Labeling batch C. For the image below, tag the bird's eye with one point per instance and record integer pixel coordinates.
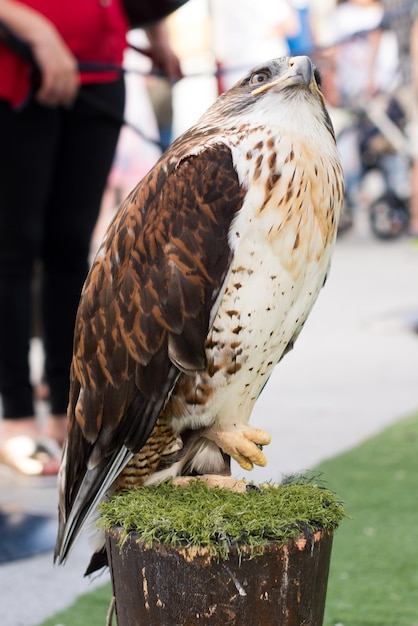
(259, 77)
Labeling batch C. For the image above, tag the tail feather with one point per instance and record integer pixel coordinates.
(95, 485)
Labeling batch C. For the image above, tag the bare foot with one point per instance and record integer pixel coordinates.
(10, 428)
(245, 446)
(25, 450)
(56, 428)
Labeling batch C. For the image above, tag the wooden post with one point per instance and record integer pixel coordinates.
(174, 586)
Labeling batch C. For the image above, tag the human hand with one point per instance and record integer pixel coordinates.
(59, 76)
(163, 56)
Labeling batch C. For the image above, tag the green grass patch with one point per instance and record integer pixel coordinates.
(89, 609)
(374, 566)
(218, 519)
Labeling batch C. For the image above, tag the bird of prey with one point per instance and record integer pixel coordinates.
(202, 283)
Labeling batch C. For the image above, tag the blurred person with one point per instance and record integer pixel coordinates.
(160, 92)
(246, 33)
(400, 17)
(354, 56)
(302, 41)
(56, 151)
(352, 59)
(137, 149)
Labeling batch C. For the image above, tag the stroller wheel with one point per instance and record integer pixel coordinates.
(389, 216)
(346, 218)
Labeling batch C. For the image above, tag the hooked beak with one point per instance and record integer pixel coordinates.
(300, 72)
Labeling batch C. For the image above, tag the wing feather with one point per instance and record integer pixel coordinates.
(143, 318)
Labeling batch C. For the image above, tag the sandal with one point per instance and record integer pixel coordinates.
(31, 457)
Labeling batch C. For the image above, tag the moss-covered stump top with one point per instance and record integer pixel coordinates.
(219, 519)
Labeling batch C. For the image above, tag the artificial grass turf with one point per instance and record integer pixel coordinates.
(89, 609)
(374, 565)
(218, 519)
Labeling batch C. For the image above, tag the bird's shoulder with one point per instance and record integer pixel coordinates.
(147, 300)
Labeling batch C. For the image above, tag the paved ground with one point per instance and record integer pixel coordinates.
(353, 371)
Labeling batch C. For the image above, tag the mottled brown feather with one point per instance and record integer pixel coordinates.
(154, 357)
(146, 303)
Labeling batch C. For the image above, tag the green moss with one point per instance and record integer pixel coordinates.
(215, 518)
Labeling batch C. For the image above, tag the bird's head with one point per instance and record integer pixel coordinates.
(281, 91)
(283, 73)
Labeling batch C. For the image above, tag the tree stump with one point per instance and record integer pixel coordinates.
(173, 586)
(186, 556)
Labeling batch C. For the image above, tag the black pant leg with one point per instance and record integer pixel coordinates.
(87, 149)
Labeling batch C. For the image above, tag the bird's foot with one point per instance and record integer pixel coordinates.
(214, 480)
(245, 446)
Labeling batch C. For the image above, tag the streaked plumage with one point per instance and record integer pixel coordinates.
(202, 283)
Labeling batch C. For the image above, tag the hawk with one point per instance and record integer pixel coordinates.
(202, 283)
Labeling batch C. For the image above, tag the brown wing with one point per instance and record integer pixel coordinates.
(143, 318)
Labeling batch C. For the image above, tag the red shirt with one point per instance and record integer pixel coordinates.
(94, 30)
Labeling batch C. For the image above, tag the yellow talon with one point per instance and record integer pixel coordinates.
(244, 446)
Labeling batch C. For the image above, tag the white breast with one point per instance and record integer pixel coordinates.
(282, 249)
